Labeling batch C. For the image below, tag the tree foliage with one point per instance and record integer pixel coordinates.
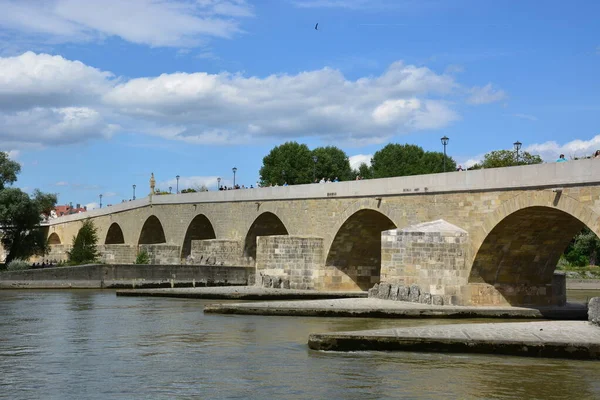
(332, 163)
(84, 244)
(20, 217)
(408, 159)
(364, 171)
(21, 214)
(583, 250)
(293, 163)
(507, 158)
(8, 170)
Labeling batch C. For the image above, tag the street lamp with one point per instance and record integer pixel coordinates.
(445, 141)
(170, 187)
(177, 177)
(100, 201)
(134, 192)
(218, 183)
(234, 169)
(315, 159)
(517, 145)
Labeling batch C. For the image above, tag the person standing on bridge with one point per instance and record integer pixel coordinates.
(561, 158)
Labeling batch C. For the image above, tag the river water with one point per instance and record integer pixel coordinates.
(84, 344)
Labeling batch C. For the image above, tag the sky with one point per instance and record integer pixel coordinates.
(95, 95)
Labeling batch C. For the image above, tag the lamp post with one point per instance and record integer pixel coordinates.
(315, 159)
(177, 177)
(134, 192)
(445, 141)
(234, 169)
(100, 201)
(170, 187)
(218, 183)
(517, 145)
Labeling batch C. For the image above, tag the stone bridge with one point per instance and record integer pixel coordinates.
(481, 237)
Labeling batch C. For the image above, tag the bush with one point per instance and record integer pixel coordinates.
(142, 258)
(18, 265)
(84, 245)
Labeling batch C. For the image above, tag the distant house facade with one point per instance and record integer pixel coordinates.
(67, 209)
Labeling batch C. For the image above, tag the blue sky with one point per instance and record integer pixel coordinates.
(97, 94)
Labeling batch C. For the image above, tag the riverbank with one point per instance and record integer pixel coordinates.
(377, 308)
(122, 276)
(583, 284)
(553, 339)
(239, 293)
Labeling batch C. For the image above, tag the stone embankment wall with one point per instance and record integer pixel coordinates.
(162, 254)
(218, 252)
(293, 259)
(117, 253)
(127, 276)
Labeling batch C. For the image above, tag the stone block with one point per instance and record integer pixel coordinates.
(414, 294)
(394, 292)
(384, 291)
(285, 284)
(404, 293)
(217, 252)
(425, 298)
(374, 291)
(594, 310)
(437, 300)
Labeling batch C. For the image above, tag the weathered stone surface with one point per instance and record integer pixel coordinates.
(425, 298)
(594, 310)
(384, 291)
(404, 293)
(374, 291)
(285, 284)
(394, 292)
(414, 294)
(437, 300)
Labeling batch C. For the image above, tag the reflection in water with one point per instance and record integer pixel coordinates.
(93, 345)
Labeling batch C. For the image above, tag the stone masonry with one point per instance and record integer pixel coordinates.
(162, 254)
(431, 255)
(296, 259)
(518, 219)
(224, 252)
(117, 253)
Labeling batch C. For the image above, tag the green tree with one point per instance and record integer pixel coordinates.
(507, 158)
(332, 163)
(290, 162)
(408, 159)
(20, 217)
(84, 244)
(8, 170)
(583, 249)
(364, 171)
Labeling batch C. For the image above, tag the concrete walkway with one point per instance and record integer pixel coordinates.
(240, 293)
(556, 339)
(377, 308)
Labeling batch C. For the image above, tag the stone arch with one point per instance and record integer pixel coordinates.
(364, 204)
(114, 235)
(152, 232)
(199, 228)
(523, 239)
(354, 257)
(266, 224)
(54, 239)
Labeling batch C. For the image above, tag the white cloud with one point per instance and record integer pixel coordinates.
(358, 159)
(109, 194)
(177, 23)
(48, 100)
(61, 183)
(575, 148)
(92, 206)
(486, 94)
(13, 154)
(525, 116)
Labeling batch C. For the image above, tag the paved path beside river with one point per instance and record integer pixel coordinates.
(370, 307)
(557, 339)
(239, 293)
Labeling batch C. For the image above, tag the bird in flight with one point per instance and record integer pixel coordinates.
(317, 26)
